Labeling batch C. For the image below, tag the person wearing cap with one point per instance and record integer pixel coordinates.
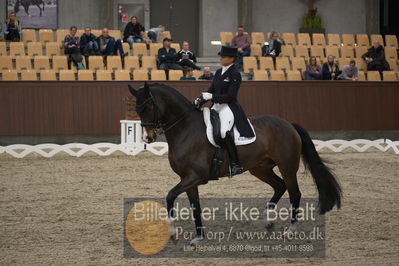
(223, 94)
(167, 57)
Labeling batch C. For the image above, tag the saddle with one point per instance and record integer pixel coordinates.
(212, 122)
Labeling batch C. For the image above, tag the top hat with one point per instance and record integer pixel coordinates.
(228, 51)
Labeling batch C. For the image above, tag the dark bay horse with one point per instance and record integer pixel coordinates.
(278, 143)
(27, 3)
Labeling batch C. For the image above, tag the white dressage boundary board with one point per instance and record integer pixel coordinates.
(161, 148)
(132, 144)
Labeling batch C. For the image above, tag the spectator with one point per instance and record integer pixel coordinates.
(207, 75)
(313, 70)
(330, 70)
(350, 72)
(108, 45)
(71, 45)
(243, 42)
(88, 43)
(12, 28)
(273, 48)
(188, 74)
(375, 58)
(186, 58)
(154, 33)
(133, 32)
(167, 57)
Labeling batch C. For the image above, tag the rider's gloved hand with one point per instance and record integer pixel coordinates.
(207, 96)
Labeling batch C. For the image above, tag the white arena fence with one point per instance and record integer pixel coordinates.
(132, 144)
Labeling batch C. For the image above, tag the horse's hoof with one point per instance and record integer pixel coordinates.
(269, 226)
(195, 241)
(290, 230)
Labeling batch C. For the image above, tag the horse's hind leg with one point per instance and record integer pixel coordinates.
(38, 5)
(266, 174)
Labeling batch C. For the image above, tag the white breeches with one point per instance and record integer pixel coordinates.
(226, 117)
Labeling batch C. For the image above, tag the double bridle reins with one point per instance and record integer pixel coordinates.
(157, 123)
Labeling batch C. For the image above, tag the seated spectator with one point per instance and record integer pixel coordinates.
(167, 57)
(188, 74)
(154, 33)
(375, 58)
(108, 46)
(243, 42)
(273, 48)
(330, 70)
(350, 72)
(207, 75)
(186, 58)
(313, 70)
(88, 43)
(133, 32)
(12, 28)
(71, 46)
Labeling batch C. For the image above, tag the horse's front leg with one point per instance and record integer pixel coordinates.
(186, 183)
(193, 197)
(38, 5)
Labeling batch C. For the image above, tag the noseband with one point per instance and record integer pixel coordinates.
(157, 123)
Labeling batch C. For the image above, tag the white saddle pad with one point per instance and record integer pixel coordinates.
(237, 139)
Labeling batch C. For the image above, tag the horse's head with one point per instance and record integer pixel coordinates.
(159, 107)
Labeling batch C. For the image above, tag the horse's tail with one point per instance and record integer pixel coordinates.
(327, 184)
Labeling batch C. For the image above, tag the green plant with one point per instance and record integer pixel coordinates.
(312, 22)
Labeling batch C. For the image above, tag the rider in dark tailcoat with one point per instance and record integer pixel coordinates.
(223, 93)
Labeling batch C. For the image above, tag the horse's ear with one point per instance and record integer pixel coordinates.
(132, 90)
(146, 87)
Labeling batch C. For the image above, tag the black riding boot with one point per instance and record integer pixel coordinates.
(231, 148)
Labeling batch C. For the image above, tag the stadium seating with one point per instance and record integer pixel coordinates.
(35, 48)
(256, 50)
(29, 75)
(176, 46)
(360, 50)
(46, 35)
(250, 63)
(287, 50)
(140, 74)
(61, 33)
(67, 75)
(196, 73)
(154, 47)
(85, 75)
(6, 62)
(9, 75)
(103, 75)
(258, 38)
(298, 63)
(149, 62)
(348, 39)
(332, 50)
(226, 38)
(302, 51)
(121, 74)
(53, 48)
(175, 74)
(266, 63)
(294, 75)
(282, 63)
(126, 48)
(277, 75)
(23, 62)
(28, 35)
(361, 76)
(373, 76)
(48, 75)
(260, 75)
(319, 39)
(393, 64)
(139, 49)
(317, 51)
(289, 38)
(164, 34)
(389, 76)
(304, 39)
(60, 62)
(41, 62)
(360, 63)
(158, 74)
(3, 49)
(362, 39)
(333, 39)
(132, 62)
(391, 53)
(114, 62)
(96, 62)
(391, 40)
(347, 52)
(17, 48)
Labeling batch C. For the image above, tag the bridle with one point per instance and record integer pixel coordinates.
(157, 123)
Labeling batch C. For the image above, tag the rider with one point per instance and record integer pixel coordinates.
(223, 94)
